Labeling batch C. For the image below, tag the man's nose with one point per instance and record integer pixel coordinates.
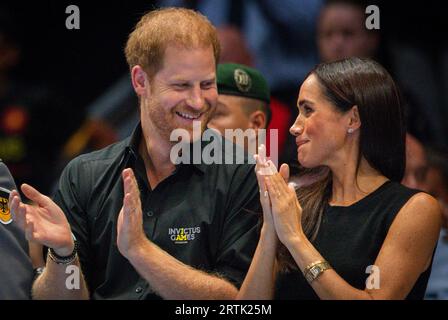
(196, 98)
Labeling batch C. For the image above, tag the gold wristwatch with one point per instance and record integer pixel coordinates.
(315, 269)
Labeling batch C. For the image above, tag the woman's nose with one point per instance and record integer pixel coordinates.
(297, 128)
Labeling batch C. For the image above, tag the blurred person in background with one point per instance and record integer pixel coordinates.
(416, 164)
(342, 33)
(436, 183)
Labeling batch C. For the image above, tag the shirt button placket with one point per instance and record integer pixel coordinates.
(149, 213)
(138, 290)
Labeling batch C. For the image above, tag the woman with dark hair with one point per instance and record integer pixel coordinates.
(356, 233)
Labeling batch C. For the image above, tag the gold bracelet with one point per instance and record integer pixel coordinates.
(315, 269)
(311, 265)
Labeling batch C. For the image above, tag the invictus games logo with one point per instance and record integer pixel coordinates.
(183, 235)
(5, 214)
(242, 80)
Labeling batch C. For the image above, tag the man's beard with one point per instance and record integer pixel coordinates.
(165, 122)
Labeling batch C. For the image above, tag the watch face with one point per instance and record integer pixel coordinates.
(315, 271)
(39, 270)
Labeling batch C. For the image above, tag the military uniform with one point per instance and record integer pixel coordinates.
(16, 270)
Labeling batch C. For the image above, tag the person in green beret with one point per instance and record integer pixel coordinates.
(243, 101)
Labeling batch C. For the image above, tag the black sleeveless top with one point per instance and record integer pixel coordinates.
(350, 239)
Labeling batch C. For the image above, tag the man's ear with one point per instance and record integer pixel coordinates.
(354, 121)
(139, 80)
(257, 120)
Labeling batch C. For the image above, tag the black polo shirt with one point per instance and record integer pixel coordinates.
(203, 215)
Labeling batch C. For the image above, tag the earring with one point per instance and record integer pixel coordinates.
(350, 130)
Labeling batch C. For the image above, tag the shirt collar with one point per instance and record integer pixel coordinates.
(132, 149)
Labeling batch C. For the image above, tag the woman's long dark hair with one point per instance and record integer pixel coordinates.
(366, 84)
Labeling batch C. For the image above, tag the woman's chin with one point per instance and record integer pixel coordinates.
(304, 163)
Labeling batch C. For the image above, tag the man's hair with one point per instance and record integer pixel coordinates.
(160, 28)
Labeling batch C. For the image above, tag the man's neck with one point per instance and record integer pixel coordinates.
(156, 157)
